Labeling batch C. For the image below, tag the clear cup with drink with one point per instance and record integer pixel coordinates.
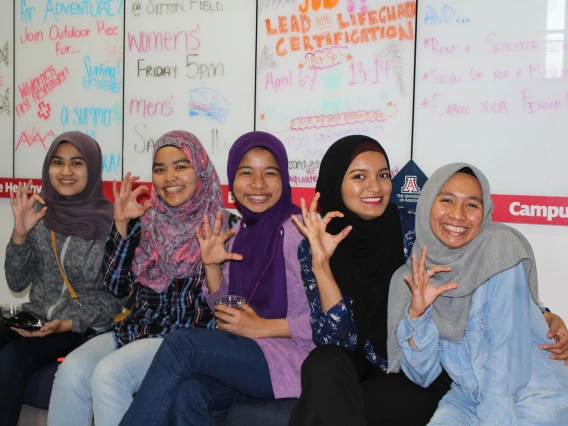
(237, 302)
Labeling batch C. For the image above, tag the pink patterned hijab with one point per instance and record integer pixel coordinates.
(168, 248)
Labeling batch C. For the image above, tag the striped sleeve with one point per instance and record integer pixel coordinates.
(119, 253)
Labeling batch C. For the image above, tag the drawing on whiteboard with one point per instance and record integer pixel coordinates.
(40, 86)
(165, 41)
(103, 77)
(342, 119)
(98, 9)
(362, 8)
(111, 163)
(202, 70)
(442, 15)
(393, 55)
(34, 137)
(262, 123)
(325, 58)
(147, 144)
(5, 102)
(332, 79)
(113, 51)
(158, 9)
(276, 4)
(117, 111)
(266, 61)
(344, 29)
(208, 102)
(44, 110)
(5, 54)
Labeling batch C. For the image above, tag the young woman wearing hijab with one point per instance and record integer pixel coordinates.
(71, 207)
(470, 305)
(151, 251)
(347, 262)
(257, 352)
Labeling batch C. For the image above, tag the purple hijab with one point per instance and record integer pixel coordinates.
(261, 275)
(87, 215)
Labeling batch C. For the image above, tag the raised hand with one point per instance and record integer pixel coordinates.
(212, 242)
(125, 205)
(423, 293)
(323, 244)
(25, 218)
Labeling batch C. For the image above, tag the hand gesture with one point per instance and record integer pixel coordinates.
(25, 218)
(212, 242)
(245, 322)
(559, 333)
(424, 293)
(125, 205)
(323, 244)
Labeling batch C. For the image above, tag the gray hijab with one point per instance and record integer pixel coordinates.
(495, 249)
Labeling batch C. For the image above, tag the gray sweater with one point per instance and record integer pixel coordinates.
(33, 263)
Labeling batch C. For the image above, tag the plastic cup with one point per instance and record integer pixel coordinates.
(233, 301)
(10, 309)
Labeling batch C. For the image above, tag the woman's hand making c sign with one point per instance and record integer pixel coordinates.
(424, 293)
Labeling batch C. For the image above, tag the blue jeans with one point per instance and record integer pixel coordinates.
(198, 371)
(97, 378)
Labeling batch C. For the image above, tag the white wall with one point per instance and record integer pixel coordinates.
(550, 244)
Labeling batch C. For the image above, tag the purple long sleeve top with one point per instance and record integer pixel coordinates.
(283, 355)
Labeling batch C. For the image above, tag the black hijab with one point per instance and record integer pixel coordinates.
(365, 261)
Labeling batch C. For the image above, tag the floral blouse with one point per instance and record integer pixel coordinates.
(337, 325)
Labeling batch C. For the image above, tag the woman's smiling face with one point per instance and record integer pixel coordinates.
(456, 215)
(68, 172)
(367, 186)
(258, 183)
(173, 176)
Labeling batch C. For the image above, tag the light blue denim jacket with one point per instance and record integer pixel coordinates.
(500, 375)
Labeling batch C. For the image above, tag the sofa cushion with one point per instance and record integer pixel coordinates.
(30, 416)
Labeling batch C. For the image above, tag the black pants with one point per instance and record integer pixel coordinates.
(340, 387)
(19, 358)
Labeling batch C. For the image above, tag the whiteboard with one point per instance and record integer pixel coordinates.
(68, 66)
(492, 90)
(6, 89)
(327, 69)
(188, 66)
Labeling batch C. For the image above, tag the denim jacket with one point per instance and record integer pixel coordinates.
(500, 375)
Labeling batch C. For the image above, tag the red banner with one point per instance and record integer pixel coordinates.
(531, 209)
(508, 208)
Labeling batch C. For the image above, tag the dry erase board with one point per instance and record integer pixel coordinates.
(68, 67)
(330, 68)
(189, 66)
(489, 84)
(6, 88)
(492, 90)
